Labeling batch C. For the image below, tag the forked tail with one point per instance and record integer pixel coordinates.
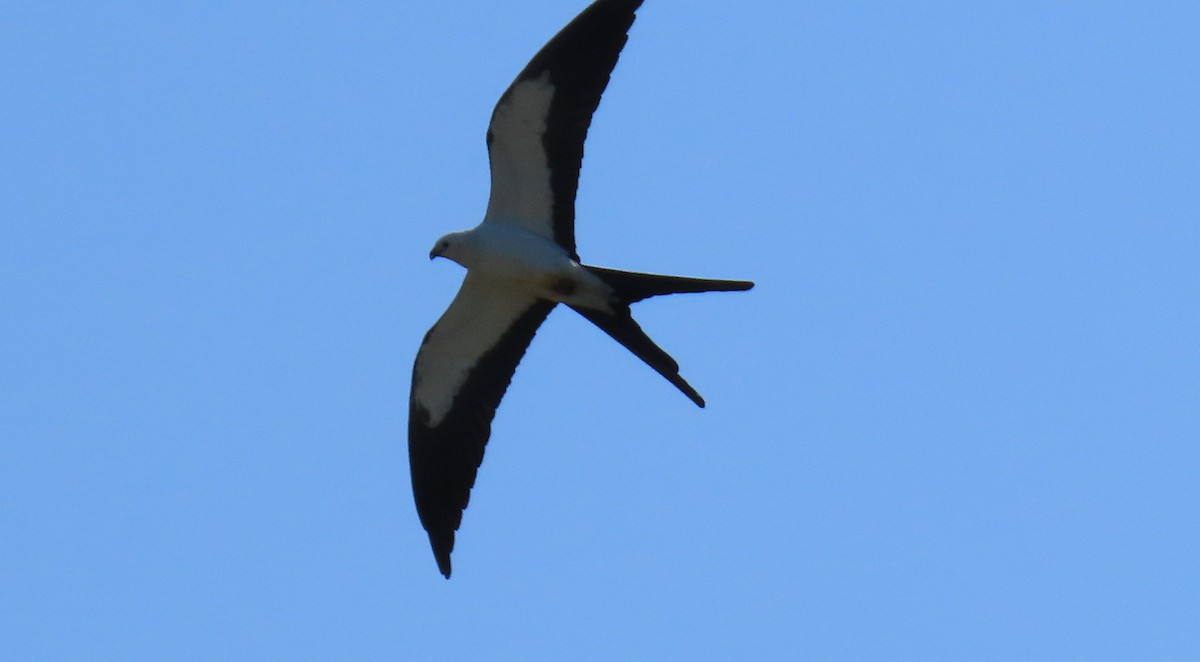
(631, 286)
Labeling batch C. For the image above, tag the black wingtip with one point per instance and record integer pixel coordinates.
(443, 544)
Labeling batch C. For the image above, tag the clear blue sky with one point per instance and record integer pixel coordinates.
(959, 417)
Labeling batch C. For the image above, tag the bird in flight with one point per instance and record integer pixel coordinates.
(521, 263)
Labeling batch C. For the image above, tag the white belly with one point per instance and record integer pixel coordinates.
(537, 265)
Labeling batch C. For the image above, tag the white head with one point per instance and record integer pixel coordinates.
(454, 246)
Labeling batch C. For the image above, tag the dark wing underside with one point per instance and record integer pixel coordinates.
(536, 136)
(462, 371)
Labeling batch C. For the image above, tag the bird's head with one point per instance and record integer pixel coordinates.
(451, 247)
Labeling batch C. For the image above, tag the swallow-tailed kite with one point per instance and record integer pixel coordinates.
(521, 262)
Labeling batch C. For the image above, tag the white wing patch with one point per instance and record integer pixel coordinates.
(521, 193)
(472, 325)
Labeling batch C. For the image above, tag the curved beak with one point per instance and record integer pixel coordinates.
(434, 253)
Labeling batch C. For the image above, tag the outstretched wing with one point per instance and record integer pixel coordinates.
(535, 139)
(462, 370)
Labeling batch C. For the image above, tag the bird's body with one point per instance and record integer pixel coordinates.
(510, 255)
(521, 263)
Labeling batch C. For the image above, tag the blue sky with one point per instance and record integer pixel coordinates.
(957, 418)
